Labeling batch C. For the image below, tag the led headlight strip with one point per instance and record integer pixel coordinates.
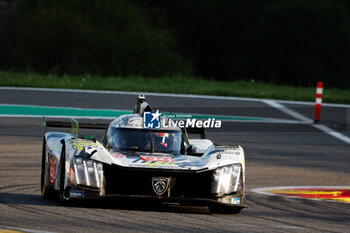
(225, 179)
(88, 172)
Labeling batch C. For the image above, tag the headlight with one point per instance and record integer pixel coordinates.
(225, 179)
(87, 172)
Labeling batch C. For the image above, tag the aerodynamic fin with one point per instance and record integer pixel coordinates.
(75, 127)
(200, 131)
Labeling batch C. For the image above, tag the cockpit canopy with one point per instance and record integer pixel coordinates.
(144, 140)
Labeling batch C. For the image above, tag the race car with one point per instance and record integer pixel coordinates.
(161, 163)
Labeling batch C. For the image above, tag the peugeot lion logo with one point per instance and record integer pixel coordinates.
(160, 185)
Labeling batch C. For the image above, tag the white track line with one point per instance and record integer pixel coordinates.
(22, 229)
(288, 111)
(298, 116)
(165, 95)
(332, 133)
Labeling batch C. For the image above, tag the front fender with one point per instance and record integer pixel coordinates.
(53, 152)
(218, 156)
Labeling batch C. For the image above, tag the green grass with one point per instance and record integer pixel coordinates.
(175, 85)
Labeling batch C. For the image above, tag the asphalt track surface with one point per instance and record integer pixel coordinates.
(276, 155)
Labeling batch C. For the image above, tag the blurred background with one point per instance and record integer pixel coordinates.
(292, 42)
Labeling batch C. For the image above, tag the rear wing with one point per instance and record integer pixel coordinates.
(200, 131)
(74, 125)
(187, 131)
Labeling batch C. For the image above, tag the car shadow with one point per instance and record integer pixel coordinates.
(110, 203)
(25, 199)
(140, 205)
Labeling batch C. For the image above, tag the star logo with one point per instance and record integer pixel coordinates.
(156, 115)
(151, 120)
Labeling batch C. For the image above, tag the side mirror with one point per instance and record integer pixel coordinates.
(109, 147)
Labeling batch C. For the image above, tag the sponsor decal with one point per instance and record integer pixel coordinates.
(236, 201)
(160, 185)
(81, 144)
(227, 152)
(151, 120)
(160, 162)
(158, 159)
(53, 170)
(158, 165)
(335, 193)
(232, 152)
(153, 161)
(75, 193)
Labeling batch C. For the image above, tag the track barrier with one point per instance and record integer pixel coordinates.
(319, 92)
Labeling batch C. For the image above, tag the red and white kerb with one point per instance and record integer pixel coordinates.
(319, 92)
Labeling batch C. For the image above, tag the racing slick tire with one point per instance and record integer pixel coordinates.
(46, 192)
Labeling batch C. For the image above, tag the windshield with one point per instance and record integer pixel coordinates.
(142, 140)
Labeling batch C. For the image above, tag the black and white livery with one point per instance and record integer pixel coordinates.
(161, 164)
